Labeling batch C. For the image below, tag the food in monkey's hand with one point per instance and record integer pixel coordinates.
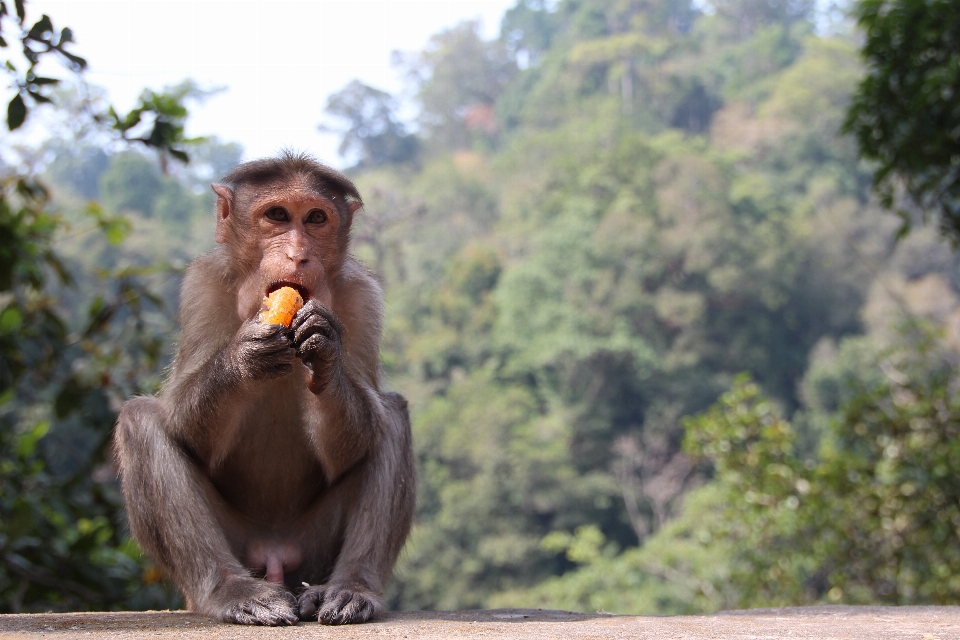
(280, 306)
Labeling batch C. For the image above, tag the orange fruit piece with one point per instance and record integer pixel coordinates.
(280, 306)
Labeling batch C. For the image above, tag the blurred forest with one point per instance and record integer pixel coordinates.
(664, 350)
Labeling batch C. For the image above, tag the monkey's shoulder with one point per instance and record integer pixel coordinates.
(358, 304)
(216, 265)
(210, 285)
(207, 314)
(358, 298)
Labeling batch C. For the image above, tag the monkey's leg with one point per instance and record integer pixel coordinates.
(173, 510)
(376, 502)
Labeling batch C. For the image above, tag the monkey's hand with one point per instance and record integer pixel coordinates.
(317, 339)
(260, 351)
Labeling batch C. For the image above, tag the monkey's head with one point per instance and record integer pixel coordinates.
(285, 222)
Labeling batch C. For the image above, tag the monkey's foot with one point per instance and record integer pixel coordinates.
(257, 602)
(338, 604)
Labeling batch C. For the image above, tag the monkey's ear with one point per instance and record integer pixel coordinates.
(224, 209)
(353, 205)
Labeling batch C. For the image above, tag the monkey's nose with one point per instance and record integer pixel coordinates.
(298, 256)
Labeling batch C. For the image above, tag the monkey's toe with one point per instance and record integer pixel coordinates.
(275, 609)
(334, 605)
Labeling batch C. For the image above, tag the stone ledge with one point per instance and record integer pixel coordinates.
(873, 623)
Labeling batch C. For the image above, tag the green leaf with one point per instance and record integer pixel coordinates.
(42, 26)
(11, 319)
(28, 441)
(21, 12)
(16, 113)
(115, 229)
(78, 62)
(39, 97)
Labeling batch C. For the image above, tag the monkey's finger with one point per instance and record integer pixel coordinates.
(305, 322)
(313, 311)
(310, 308)
(330, 612)
(311, 326)
(313, 338)
(310, 602)
(316, 325)
(280, 352)
(308, 608)
(346, 608)
(275, 347)
(271, 610)
(254, 326)
(268, 332)
(316, 343)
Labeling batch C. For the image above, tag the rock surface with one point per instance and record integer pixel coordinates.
(875, 623)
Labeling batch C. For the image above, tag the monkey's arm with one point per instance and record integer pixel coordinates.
(350, 414)
(341, 352)
(217, 358)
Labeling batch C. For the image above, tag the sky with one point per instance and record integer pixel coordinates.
(278, 60)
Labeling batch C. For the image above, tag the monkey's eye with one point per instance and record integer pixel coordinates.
(317, 217)
(277, 214)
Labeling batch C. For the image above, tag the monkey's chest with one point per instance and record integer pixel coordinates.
(270, 472)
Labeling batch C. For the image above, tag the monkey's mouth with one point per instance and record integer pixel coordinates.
(304, 293)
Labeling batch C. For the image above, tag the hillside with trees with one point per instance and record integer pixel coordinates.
(663, 348)
(614, 210)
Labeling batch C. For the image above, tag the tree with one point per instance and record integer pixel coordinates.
(905, 114)
(62, 542)
(749, 15)
(130, 182)
(372, 132)
(527, 29)
(874, 519)
(459, 78)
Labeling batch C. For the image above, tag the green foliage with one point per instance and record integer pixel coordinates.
(134, 183)
(681, 570)
(79, 169)
(76, 339)
(527, 29)
(664, 205)
(131, 183)
(904, 114)
(875, 518)
(762, 484)
(613, 210)
(459, 78)
(158, 121)
(62, 544)
(36, 42)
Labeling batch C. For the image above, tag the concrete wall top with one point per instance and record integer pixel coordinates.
(874, 623)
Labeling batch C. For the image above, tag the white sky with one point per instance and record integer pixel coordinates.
(279, 59)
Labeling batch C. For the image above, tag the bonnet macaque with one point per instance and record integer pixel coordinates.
(272, 479)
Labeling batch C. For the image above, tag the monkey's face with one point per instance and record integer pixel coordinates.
(297, 233)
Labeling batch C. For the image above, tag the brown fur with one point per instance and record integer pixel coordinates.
(274, 458)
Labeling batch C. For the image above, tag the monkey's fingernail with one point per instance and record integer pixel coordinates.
(306, 584)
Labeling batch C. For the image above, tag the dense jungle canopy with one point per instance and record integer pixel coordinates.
(663, 349)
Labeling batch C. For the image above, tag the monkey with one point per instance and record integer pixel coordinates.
(272, 477)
